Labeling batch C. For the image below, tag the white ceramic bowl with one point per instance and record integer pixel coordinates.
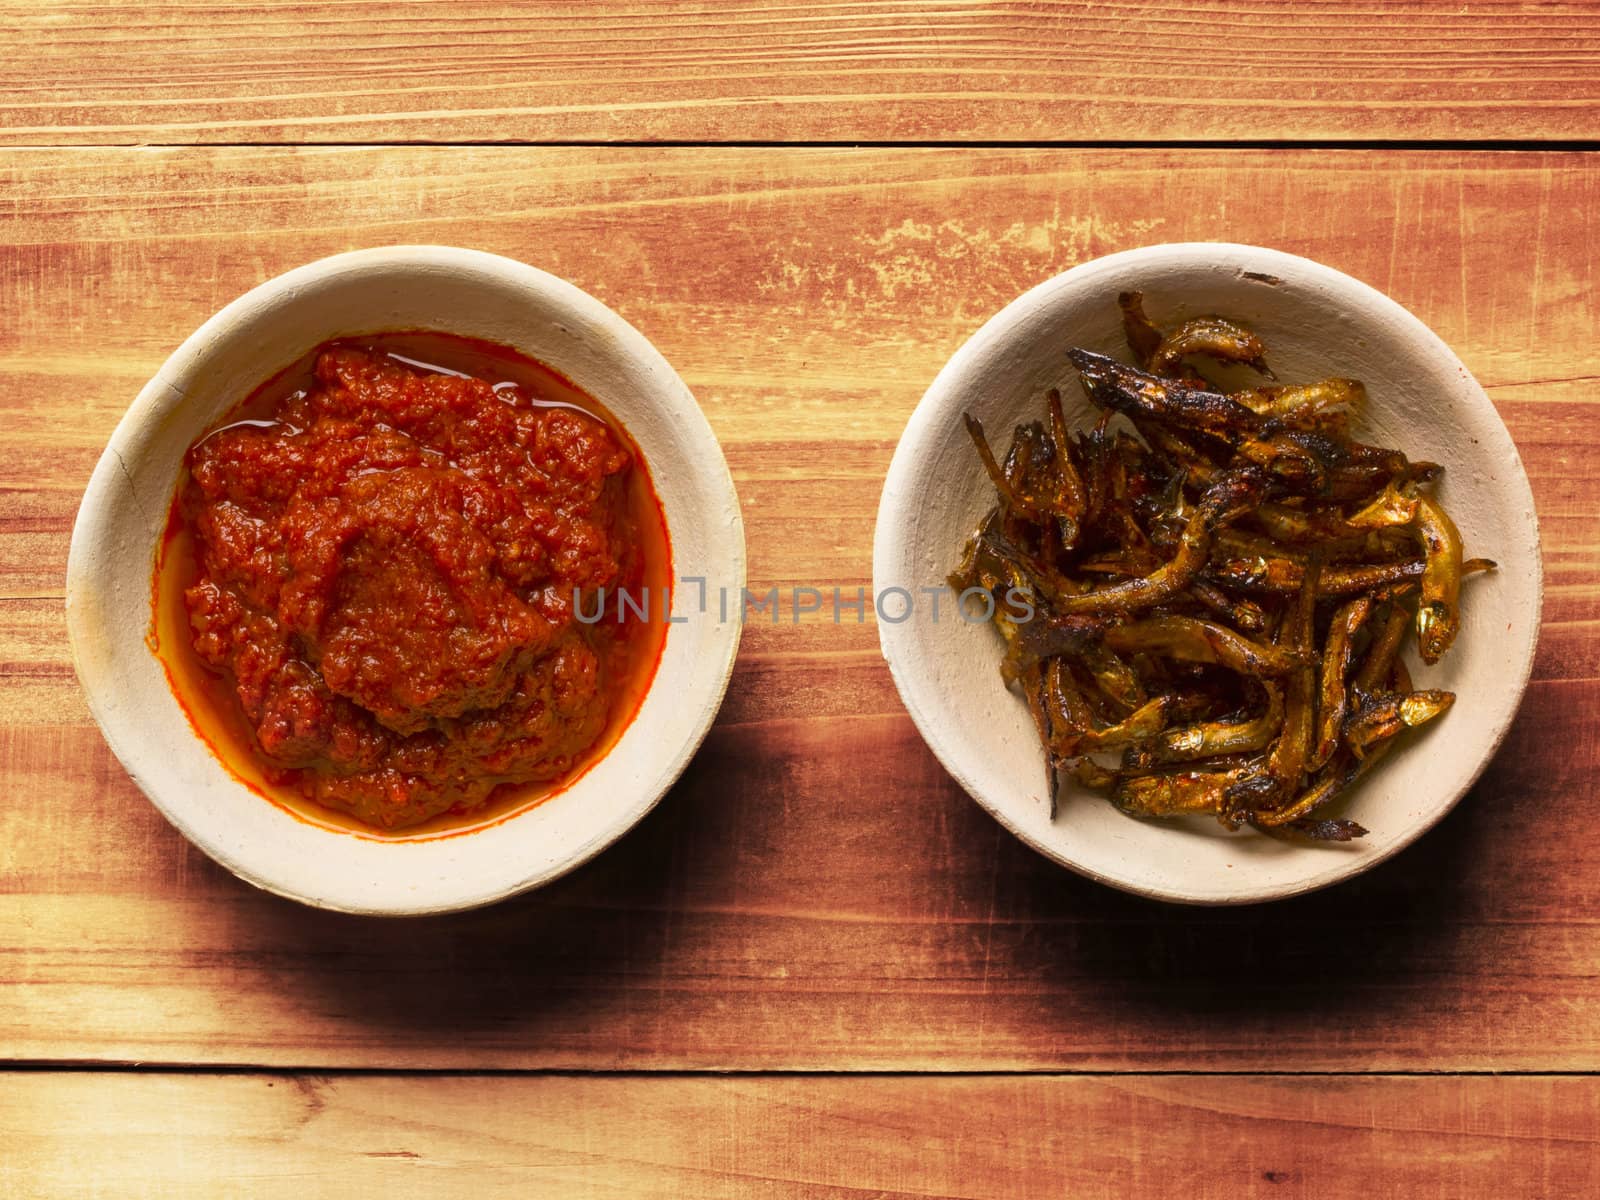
(1316, 322)
(121, 521)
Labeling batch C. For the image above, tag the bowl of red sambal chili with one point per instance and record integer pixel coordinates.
(387, 590)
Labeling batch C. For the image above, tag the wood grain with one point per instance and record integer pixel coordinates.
(816, 893)
(841, 70)
(673, 1138)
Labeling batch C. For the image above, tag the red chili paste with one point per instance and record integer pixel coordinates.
(381, 566)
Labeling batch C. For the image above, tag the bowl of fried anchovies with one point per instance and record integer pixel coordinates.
(1240, 566)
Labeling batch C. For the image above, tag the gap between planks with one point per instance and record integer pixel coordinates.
(107, 1066)
(1516, 145)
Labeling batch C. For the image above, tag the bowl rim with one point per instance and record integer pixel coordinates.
(122, 733)
(892, 637)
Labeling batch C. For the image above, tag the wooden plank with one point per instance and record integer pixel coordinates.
(816, 893)
(840, 70)
(665, 1138)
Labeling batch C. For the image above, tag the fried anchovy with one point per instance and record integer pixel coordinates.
(1397, 505)
(1305, 405)
(1246, 614)
(1210, 739)
(1439, 614)
(1325, 787)
(1033, 690)
(1124, 389)
(1178, 794)
(1266, 786)
(1228, 495)
(1381, 652)
(1144, 339)
(1262, 574)
(1214, 337)
(1381, 717)
(1333, 699)
(1195, 640)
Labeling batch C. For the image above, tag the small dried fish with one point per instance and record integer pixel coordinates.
(1222, 593)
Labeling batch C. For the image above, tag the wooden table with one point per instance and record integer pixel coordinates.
(817, 969)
